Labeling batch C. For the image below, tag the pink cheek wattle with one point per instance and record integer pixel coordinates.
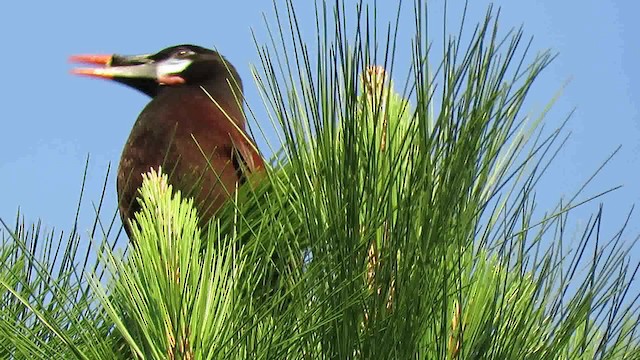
(170, 80)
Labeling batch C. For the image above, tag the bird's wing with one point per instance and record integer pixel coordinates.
(246, 150)
(249, 160)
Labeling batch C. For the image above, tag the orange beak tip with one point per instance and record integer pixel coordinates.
(81, 71)
(90, 72)
(98, 59)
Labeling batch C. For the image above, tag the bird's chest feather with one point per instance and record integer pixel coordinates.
(189, 136)
(180, 129)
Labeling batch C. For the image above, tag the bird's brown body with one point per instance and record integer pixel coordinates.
(193, 128)
(194, 141)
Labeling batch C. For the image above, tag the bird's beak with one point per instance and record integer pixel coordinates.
(131, 67)
(115, 66)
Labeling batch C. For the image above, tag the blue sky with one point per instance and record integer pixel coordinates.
(52, 119)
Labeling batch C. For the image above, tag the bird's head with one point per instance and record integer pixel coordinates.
(174, 66)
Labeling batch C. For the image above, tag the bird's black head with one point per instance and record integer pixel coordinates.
(181, 65)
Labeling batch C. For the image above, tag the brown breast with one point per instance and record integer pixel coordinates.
(196, 144)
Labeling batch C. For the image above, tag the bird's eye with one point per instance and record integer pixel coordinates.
(184, 53)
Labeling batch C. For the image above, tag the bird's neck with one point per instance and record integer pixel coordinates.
(226, 89)
(229, 97)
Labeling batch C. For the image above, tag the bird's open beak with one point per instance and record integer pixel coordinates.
(136, 66)
(115, 66)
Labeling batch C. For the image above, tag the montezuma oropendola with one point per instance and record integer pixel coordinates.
(193, 126)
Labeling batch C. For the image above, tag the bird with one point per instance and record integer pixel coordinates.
(193, 128)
